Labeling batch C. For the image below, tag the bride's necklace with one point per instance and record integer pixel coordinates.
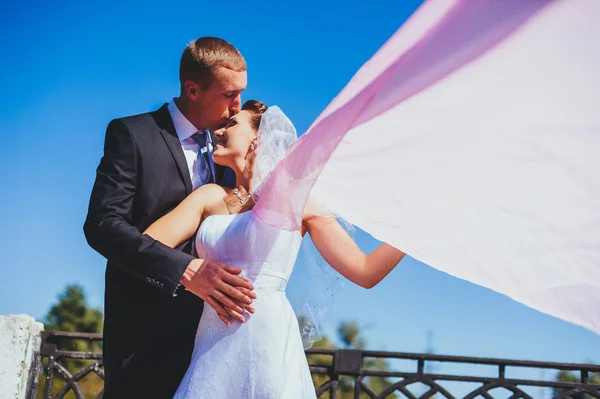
(242, 198)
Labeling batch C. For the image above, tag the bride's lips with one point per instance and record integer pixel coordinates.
(220, 143)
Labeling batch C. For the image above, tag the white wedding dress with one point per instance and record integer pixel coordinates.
(263, 357)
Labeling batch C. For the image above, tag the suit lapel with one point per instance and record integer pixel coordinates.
(170, 136)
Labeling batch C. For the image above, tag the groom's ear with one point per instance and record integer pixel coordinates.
(191, 89)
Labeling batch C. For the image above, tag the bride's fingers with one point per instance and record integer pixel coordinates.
(249, 293)
(221, 312)
(235, 314)
(231, 312)
(226, 302)
(224, 319)
(245, 306)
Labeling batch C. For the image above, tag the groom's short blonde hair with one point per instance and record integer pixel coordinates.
(203, 56)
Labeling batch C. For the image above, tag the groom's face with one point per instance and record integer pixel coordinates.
(222, 99)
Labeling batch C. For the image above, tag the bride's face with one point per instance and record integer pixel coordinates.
(234, 140)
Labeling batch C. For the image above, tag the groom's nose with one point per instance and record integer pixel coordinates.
(236, 104)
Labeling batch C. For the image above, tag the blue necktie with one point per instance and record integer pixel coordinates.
(203, 172)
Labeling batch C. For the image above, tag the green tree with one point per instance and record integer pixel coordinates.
(71, 313)
(568, 376)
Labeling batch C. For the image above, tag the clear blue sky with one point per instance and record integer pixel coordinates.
(68, 69)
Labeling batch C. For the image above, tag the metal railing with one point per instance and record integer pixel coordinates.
(343, 373)
(496, 383)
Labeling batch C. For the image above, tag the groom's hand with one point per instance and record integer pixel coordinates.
(221, 287)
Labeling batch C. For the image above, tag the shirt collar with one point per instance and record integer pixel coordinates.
(184, 128)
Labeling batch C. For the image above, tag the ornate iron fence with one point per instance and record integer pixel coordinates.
(416, 382)
(342, 373)
(52, 363)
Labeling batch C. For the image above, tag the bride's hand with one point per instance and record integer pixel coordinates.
(232, 313)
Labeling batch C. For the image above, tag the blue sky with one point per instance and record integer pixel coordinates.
(68, 69)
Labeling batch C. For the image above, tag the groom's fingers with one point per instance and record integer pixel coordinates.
(232, 276)
(231, 269)
(234, 293)
(246, 292)
(236, 281)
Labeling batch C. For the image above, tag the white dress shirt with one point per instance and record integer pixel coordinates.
(185, 129)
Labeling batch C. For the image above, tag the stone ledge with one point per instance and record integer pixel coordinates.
(19, 340)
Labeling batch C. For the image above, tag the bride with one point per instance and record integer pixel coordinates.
(258, 354)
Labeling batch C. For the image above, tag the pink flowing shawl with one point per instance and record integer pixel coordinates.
(470, 141)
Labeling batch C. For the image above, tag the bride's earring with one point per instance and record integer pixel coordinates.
(252, 147)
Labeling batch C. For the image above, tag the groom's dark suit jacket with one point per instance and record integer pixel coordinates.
(150, 323)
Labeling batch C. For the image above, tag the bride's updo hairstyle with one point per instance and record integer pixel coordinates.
(257, 109)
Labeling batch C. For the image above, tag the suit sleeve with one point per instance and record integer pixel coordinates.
(108, 228)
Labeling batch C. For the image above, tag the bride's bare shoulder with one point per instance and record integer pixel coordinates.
(206, 196)
(208, 193)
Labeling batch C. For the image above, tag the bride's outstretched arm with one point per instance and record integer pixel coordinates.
(342, 253)
(181, 223)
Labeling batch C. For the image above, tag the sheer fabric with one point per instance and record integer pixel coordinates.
(471, 142)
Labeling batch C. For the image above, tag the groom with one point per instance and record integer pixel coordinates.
(154, 294)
